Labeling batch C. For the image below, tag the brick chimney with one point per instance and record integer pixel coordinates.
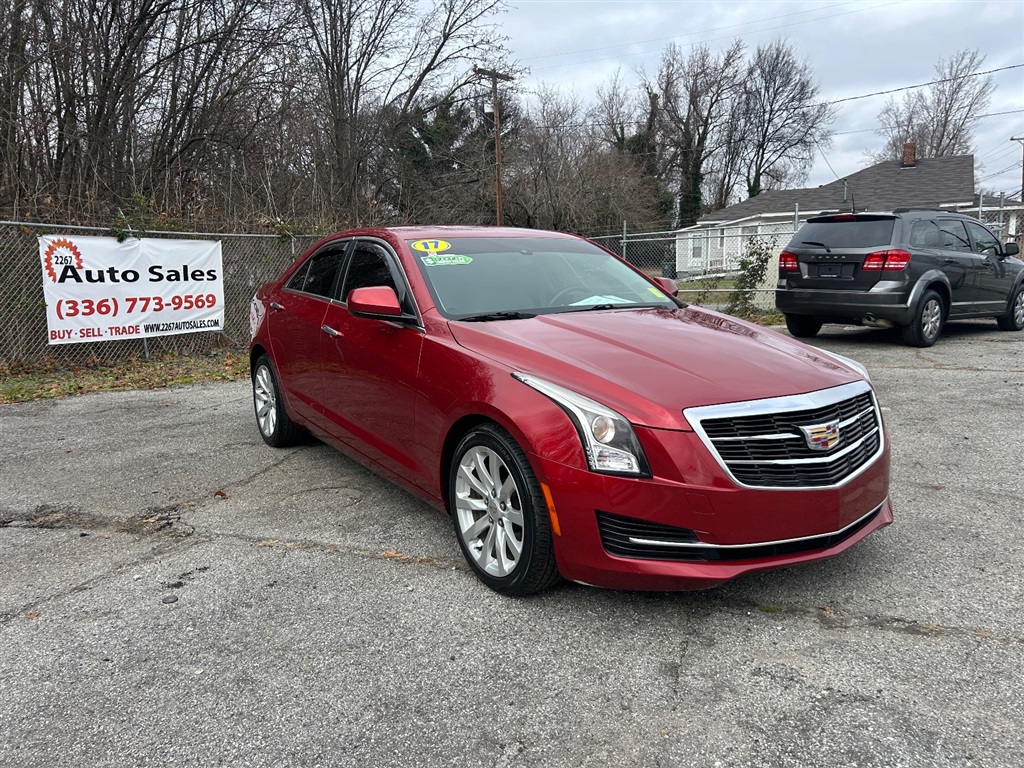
(909, 154)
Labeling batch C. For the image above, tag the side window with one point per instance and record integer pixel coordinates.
(954, 236)
(925, 234)
(323, 266)
(297, 280)
(985, 242)
(368, 267)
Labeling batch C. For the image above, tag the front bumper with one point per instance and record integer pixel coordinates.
(743, 530)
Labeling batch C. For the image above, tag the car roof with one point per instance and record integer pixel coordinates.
(894, 213)
(413, 232)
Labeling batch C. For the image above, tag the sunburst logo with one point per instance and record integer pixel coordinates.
(61, 253)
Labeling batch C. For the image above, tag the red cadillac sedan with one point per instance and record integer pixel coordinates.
(573, 417)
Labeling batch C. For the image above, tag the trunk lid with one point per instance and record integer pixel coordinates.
(830, 251)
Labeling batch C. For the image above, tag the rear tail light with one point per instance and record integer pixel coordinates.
(890, 261)
(788, 262)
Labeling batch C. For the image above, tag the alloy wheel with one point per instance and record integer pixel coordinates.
(1018, 309)
(931, 319)
(265, 399)
(489, 511)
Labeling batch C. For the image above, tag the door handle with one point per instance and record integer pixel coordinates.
(275, 306)
(330, 331)
(949, 261)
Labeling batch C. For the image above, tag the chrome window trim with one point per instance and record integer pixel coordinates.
(785, 404)
(397, 261)
(705, 545)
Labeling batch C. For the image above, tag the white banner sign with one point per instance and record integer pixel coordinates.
(98, 289)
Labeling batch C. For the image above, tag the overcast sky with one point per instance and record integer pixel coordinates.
(853, 47)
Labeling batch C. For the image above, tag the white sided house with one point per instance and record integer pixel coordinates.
(717, 242)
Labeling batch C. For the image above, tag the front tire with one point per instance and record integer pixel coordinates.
(499, 513)
(1013, 320)
(803, 326)
(927, 324)
(276, 427)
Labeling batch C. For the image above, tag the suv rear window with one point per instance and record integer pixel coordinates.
(859, 233)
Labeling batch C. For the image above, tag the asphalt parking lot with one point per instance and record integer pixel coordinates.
(173, 592)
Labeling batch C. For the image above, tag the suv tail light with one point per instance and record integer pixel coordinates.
(891, 261)
(788, 262)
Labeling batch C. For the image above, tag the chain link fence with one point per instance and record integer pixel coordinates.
(249, 261)
(707, 262)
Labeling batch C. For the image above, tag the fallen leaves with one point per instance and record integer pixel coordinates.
(20, 382)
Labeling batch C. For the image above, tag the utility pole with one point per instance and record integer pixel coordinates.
(1021, 140)
(495, 77)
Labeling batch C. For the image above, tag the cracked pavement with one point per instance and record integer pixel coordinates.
(173, 592)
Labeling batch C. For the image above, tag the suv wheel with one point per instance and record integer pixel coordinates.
(927, 324)
(802, 326)
(1013, 320)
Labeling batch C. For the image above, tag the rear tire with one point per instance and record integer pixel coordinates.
(803, 326)
(927, 324)
(1013, 320)
(276, 427)
(499, 513)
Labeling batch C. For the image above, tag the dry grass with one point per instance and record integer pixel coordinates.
(19, 383)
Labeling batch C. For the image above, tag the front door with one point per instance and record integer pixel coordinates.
(994, 280)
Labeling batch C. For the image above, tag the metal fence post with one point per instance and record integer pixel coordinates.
(624, 240)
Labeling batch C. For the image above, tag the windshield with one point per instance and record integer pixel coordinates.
(479, 278)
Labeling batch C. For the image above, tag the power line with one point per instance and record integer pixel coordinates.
(919, 85)
(601, 124)
(1006, 151)
(1007, 169)
(822, 153)
(987, 114)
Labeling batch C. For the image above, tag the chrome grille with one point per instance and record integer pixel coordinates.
(760, 444)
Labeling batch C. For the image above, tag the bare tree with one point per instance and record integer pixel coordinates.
(563, 175)
(695, 93)
(941, 118)
(782, 121)
(390, 59)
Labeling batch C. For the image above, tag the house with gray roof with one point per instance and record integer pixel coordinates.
(718, 240)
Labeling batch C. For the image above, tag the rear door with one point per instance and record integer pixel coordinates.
(831, 251)
(936, 245)
(296, 314)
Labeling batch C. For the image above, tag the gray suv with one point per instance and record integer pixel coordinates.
(913, 268)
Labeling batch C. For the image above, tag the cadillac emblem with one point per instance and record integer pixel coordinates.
(821, 437)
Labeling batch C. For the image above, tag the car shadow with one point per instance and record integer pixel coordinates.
(954, 329)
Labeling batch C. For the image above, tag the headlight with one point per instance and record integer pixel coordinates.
(608, 438)
(859, 367)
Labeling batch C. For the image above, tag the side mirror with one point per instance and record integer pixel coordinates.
(378, 302)
(1010, 249)
(668, 285)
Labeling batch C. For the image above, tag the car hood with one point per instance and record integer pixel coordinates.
(650, 364)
